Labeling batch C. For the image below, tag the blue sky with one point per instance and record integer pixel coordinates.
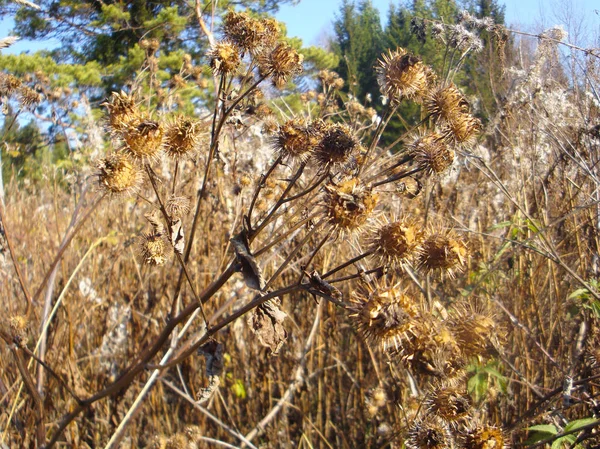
(312, 20)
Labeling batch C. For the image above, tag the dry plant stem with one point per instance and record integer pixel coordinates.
(397, 177)
(11, 251)
(387, 116)
(285, 235)
(296, 382)
(308, 189)
(555, 437)
(348, 263)
(212, 417)
(202, 23)
(314, 253)
(360, 274)
(259, 187)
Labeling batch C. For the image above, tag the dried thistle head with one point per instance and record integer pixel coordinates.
(444, 251)
(462, 129)
(485, 437)
(224, 58)
(398, 242)
(431, 153)
(29, 97)
(177, 206)
(475, 329)
(153, 248)
(182, 137)
(249, 34)
(296, 140)
(119, 174)
(122, 110)
(384, 316)
(449, 403)
(445, 102)
(349, 204)
(280, 64)
(17, 325)
(144, 138)
(409, 187)
(337, 145)
(375, 400)
(429, 433)
(401, 75)
(330, 79)
(8, 84)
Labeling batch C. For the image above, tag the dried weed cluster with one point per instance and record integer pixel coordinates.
(242, 236)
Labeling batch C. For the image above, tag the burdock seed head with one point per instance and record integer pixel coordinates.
(401, 75)
(443, 250)
(152, 248)
(144, 139)
(445, 102)
(337, 145)
(398, 242)
(432, 154)
(8, 84)
(449, 403)
(280, 64)
(349, 204)
(462, 129)
(182, 137)
(475, 329)
(484, 437)
(119, 174)
(18, 329)
(296, 140)
(224, 58)
(122, 110)
(177, 206)
(429, 433)
(384, 316)
(249, 34)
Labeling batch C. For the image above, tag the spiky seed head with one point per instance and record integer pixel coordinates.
(485, 437)
(144, 139)
(29, 97)
(152, 248)
(462, 129)
(224, 58)
(8, 84)
(18, 329)
(249, 34)
(177, 206)
(375, 400)
(401, 75)
(445, 102)
(449, 403)
(119, 174)
(429, 433)
(182, 137)
(296, 140)
(384, 316)
(349, 204)
(177, 441)
(337, 145)
(443, 251)
(281, 64)
(475, 329)
(409, 187)
(398, 242)
(432, 153)
(122, 110)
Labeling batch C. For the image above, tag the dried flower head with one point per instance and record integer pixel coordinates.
(444, 251)
(429, 433)
(177, 206)
(152, 248)
(337, 145)
(119, 174)
(281, 64)
(18, 329)
(8, 84)
(122, 110)
(431, 153)
(462, 129)
(401, 75)
(349, 204)
(409, 187)
(144, 138)
(29, 97)
(384, 316)
(475, 329)
(296, 140)
(224, 58)
(249, 34)
(445, 102)
(375, 400)
(182, 136)
(449, 403)
(398, 242)
(485, 437)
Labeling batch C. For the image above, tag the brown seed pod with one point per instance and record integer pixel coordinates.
(445, 102)
(401, 75)
(429, 433)
(119, 174)
(280, 64)
(349, 204)
(29, 97)
(398, 242)
(144, 139)
(485, 437)
(8, 84)
(296, 140)
(122, 110)
(432, 154)
(177, 206)
(252, 35)
(337, 145)
(18, 329)
(224, 58)
(462, 129)
(443, 251)
(475, 329)
(449, 403)
(152, 248)
(182, 137)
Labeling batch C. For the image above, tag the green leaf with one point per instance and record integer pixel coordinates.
(238, 389)
(579, 423)
(579, 293)
(503, 224)
(549, 429)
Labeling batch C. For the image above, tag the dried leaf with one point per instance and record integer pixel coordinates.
(8, 41)
(177, 239)
(266, 322)
(250, 269)
(213, 353)
(154, 219)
